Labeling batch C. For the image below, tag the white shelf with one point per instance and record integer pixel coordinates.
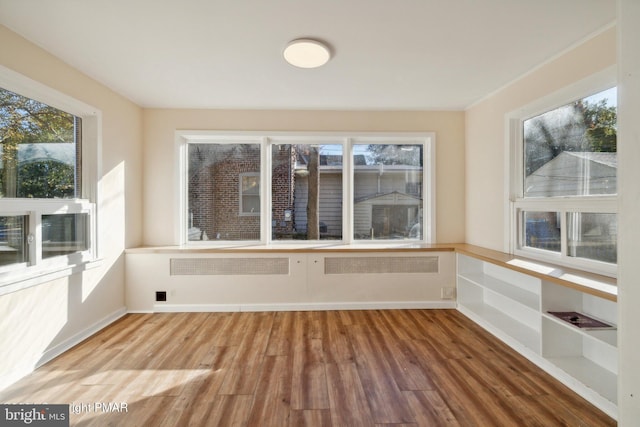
(522, 296)
(514, 307)
(607, 336)
(520, 332)
(592, 375)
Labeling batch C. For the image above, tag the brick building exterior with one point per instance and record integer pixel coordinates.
(215, 190)
(283, 186)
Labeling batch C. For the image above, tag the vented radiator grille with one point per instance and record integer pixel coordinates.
(228, 266)
(377, 265)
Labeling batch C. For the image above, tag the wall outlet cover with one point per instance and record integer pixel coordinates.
(448, 293)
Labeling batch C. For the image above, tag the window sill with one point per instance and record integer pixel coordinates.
(18, 280)
(295, 247)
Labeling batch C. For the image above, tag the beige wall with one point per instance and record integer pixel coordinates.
(486, 175)
(160, 159)
(41, 320)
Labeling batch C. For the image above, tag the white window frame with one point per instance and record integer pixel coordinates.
(517, 203)
(266, 141)
(15, 277)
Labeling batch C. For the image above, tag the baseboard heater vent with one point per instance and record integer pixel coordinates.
(377, 265)
(228, 266)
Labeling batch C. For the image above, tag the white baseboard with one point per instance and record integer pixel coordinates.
(183, 308)
(50, 354)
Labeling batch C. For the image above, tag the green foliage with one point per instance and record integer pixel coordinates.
(46, 179)
(26, 121)
(392, 154)
(601, 125)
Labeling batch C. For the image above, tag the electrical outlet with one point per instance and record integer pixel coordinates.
(161, 296)
(448, 293)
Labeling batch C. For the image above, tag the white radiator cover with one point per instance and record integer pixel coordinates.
(228, 266)
(380, 265)
(288, 281)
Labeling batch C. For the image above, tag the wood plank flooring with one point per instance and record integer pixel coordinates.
(326, 368)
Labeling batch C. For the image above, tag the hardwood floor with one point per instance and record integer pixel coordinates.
(326, 368)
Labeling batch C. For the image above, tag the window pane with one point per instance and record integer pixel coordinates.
(250, 194)
(387, 191)
(542, 230)
(593, 236)
(571, 151)
(40, 149)
(13, 239)
(214, 191)
(64, 234)
(307, 191)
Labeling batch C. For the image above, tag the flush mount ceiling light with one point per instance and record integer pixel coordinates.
(306, 53)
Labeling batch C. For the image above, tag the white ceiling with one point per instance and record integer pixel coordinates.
(388, 54)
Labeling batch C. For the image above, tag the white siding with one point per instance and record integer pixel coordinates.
(330, 202)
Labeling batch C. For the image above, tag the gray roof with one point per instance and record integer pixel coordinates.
(574, 174)
(377, 196)
(607, 159)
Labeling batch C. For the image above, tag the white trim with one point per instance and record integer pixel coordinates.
(347, 190)
(25, 369)
(265, 191)
(429, 199)
(22, 85)
(266, 139)
(180, 191)
(316, 306)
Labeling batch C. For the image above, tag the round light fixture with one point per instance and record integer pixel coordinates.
(306, 53)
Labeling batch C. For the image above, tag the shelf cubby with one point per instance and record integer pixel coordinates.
(515, 307)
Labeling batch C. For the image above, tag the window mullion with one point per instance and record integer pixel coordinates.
(347, 194)
(564, 233)
(266, 212)
(35, 237)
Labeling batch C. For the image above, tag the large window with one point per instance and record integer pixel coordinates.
(566, 184)
(47, 219)
(305, 187)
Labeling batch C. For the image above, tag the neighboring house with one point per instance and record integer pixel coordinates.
(559, 176)
(224, 192)
(394, 214)
(388, 197)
